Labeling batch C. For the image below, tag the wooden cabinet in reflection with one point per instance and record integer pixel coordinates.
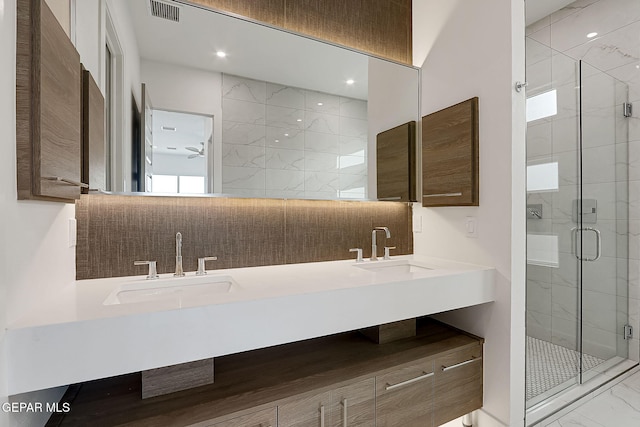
(396, 163)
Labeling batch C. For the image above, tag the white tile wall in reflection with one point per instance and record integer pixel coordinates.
(281, 141)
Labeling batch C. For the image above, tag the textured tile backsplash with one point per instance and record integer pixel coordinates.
(115, 231)
(281, 141)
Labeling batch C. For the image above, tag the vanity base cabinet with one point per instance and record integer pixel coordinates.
(404, 396)
(354, 405)
(341, 380)
(311, 411)
(264, 418)
(458, 384)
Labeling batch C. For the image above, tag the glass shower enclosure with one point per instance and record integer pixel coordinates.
(577, 223)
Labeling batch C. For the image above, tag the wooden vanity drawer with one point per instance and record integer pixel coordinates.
(458, 384)
(403, 397)
(265, 418)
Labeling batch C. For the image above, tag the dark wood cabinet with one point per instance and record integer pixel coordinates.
(450, 156)
(48, 107)
(457, 384)
(264, 418)
(404, 396)
(396, 163)
(334, 381)
(354, 405)
(93, 136)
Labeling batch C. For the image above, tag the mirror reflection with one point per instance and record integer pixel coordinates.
(202, 102)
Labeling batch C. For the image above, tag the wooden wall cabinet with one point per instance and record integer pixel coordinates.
(450, 156)
(396, 163)
(93, 135)
(48, 110)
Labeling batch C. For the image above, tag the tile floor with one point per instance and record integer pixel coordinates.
(615, 406)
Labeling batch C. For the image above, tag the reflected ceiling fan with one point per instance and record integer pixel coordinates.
(199, 152)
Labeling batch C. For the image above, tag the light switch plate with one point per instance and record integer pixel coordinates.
(73, 232)
(471, 226)
(417, 223)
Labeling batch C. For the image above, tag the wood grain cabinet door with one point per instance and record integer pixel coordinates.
(354, 405)
(458, 384)
(396, 163)
(93, 136)
(450, 161)
(48, 110)
(264, 418)
(311, 411)
(404, 396)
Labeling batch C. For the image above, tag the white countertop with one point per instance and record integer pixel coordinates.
(76, 338)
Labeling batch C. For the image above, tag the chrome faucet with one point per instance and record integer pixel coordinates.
(374, 246)
(179, 272)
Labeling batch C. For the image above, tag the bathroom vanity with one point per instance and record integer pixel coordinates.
(338, 380)
(81, 335)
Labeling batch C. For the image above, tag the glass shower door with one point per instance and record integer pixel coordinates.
(601, 221)
(577, 232)
(553, 184)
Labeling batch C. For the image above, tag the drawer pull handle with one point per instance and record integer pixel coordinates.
(344, 413)
(322, 416)
(390, 198)
(412, 380)
(457, 365)
(65, 181)
(443, 195)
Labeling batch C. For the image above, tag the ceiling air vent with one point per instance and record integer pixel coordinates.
(164, 10)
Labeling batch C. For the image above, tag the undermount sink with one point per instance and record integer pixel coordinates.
(173, 289)
(401, 266)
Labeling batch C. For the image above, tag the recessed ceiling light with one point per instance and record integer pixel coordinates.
(320, 104)
(637, 66)
(286, 134)
(299, 120)
(277, 140)
(221, 54)
(591, 35)
(350, 81)
(169, 128)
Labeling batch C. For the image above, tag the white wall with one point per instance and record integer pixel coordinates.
(389, 85)
(469, 57)
(36, 260)
(188, 90)
(129, 62)
(90, 37)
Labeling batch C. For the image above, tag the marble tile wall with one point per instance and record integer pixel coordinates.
(281, 141)
(610, 172)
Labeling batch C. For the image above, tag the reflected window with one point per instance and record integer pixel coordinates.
(191, 184)
(164, 184)
(542, 177)
(543, 105)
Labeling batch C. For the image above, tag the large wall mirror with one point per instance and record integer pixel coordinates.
(204, 102)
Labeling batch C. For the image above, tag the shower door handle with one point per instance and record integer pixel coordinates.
(574, 238)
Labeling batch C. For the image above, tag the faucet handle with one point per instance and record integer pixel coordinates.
(359, 256)
(201, 271)
(386, 251)
(153, 271)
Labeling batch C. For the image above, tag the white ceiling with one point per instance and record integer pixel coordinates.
(254, 51)
(538, 9)
(191, 131)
